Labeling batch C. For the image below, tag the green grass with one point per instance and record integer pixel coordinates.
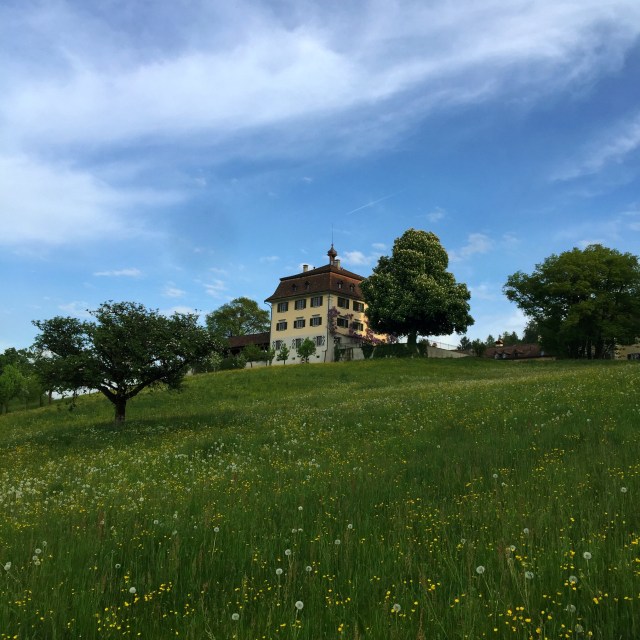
(390, 482)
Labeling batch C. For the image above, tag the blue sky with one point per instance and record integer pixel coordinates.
(184, 153)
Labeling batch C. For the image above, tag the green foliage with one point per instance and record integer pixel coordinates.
(583, 301)
(465, 344)
(395, 350)
(283, 353)
(306, 349)
(12, 383)
(411, 292)
(233, 362)
(510, 338)
(479, 347)
(240, 317)
(367, 350)
(128, 349)
(253, 353)
(422, 469)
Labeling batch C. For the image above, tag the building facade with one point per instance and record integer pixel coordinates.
(325, 305)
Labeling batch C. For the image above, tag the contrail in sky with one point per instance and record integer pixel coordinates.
(370, 204)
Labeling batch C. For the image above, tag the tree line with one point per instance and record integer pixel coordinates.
(580, 304)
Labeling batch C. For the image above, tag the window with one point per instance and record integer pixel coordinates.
(283, 306)
(340, 284)
(352, 287)
(358, 306)
(343, 303)
(301, 304)
(277, 344)
(357, 326)
(316, 301)
(316, 321)
(296, 342)
(281, 326)
(298, 323)
(319, 341)
(342, 322)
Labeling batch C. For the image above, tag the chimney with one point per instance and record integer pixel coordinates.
(305, 268)
(337, 263)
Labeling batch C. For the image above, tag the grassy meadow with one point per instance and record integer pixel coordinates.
(392, 499)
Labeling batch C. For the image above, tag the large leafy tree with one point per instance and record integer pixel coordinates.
(127, 349)
(240, 317)
(582, 301)
(411, 292)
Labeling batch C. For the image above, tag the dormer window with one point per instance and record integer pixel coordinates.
(352, 287)
(307, 284)
(294, 287)
(340, 284)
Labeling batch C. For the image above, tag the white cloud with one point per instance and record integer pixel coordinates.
(436, 215)
(379, 246)
(172, 291)
(485, 291)
(609, 148)
(477, 243)
(215, 288)
(178, 309)
(269, 259)
(392, 58)
(54, 204)
(128, 273)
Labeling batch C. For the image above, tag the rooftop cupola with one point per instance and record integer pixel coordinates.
(332, 253)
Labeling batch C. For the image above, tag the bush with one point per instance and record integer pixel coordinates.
(396, 350)
(233, 362)
(367, 350)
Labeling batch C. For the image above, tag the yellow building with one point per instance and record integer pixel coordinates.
(324, 305)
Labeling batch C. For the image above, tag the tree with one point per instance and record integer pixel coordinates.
(240, 317)
(465, 344)
(12, 383)
(411, 292)
(306, 349)
(253, 353)
(129, 348)
(478, 347)
(283, 353)
(583, 301)
(531, 333)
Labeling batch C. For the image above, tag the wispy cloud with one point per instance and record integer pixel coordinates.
(371, 203)
(269, 259)
(171, 291)
(119, 273)
(395, 58)
(216, 288)
(69, 205)
(608, 148)
(477, 243)
(76, 309)
(436, 215)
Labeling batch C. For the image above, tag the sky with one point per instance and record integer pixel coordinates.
(181, 154)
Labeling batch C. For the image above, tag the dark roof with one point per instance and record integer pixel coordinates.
(321, 280)
(237, 342)
(515, 351)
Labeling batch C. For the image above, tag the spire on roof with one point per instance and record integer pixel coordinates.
(332, 253)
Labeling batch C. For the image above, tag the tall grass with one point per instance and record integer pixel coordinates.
(388, 499)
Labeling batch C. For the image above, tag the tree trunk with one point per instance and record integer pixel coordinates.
(121, 406)
(412, 342)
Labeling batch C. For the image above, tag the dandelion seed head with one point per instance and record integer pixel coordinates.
(156, 522)
(528, 575)
(571, 608)
(512, 548)
(349, 526)
(235, 617)
(132, 590)
(308, 568)
(216, 529)
(623, 489)
(396, 608)
(278, 571)
(579, 628)
(573, 579)
(300, 508)
(38, 552)
(526, 531)
(480, 570)
(299, 605)
(7, 566)
(337, 542)
(586, 555)
(117, 565)
(287, 552)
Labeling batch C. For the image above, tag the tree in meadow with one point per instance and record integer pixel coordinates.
(128, 348)
(411, 292)
(306, 349)
(240, 317)
(583, 301)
